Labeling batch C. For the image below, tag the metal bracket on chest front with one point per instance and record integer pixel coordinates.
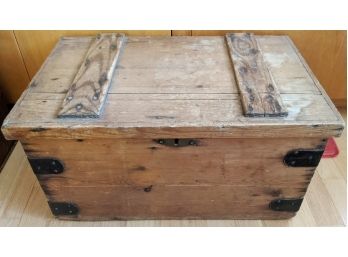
(46, 165)
(303, 158)
(63, 208)
(176, 142)
(291, 205)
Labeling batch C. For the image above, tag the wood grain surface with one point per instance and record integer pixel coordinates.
(89, 88)
(258, 92)
(161, 87)
(36, 45)
(13, 75)
(24, 204)
(324, 50)
(142, 162)
(213, 179)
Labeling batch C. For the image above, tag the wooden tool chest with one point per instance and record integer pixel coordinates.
(174, 127)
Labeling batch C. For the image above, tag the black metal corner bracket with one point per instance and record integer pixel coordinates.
(63, 208)
(290, 205)
(46, 165)
(303, 158)
(176, 142)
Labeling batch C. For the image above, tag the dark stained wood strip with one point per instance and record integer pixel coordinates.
(89, 88)
(260, 96)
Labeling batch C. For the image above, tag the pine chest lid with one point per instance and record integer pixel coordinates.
(112, 86)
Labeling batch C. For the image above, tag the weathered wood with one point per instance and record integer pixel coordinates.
(89, 88)
(159, 79)
(247, 162)
(258, 91)
(217, 178)
(172, 202)
(204, 66)
(167, 115)
(154, 70)
(173, 88)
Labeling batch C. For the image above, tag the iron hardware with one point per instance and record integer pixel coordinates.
(46, 165)
(63, 208)
(177, 142)
(291, 205)
(303, 158)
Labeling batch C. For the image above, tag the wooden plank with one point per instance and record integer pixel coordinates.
(36, 212)
(324, 50)
(143, 162)
(36, 45)
(248, 175)
(13, 73)
(89, 88)
(167, 116)
(324, 210)
(16, 186)
(194, 73)
(259, 94)
(172, 202)
(181, 32)
(159, 65)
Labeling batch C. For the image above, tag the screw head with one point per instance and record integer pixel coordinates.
(79, 107)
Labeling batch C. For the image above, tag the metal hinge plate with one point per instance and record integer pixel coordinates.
(303, 158)
(46, 165)
(291, 205)
(63, 208)
(176, 142)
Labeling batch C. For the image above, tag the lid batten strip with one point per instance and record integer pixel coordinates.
(88, 91)
(259, 94)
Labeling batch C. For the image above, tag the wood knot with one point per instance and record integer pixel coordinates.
(254, 51)
(243, 70)
(270, 87)
(96, 96)
(139, 168)
(113, 47)
(103, 78)
(148, 189)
